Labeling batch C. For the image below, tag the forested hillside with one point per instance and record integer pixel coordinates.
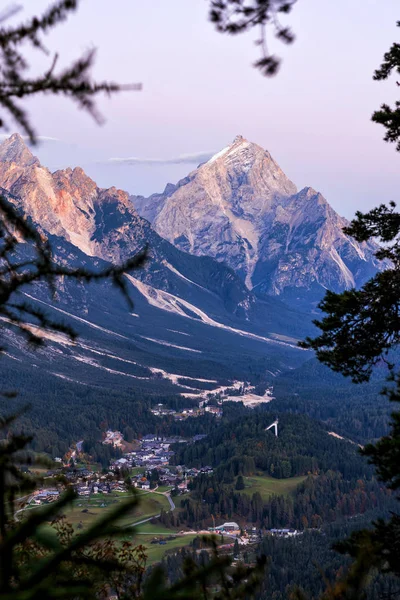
(357, 412)
(241, 445)
(304, 563)
(337, 481)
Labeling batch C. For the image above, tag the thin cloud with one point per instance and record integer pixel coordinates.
(182, 159)
(40, 138)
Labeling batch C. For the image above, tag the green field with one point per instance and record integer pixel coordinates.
(155, 552)
(268, 486)
(137, 470)
(150, 529)
(85, 510)
(164, 488)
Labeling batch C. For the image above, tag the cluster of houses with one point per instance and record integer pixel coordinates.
(44, 496)
(153, 452)
(250, 533)
(114, 438)
(245, 535)
(99, 486)
(284, 533)
(231, 528)
(86, 482)
(175, 477)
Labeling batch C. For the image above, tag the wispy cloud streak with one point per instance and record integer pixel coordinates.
(40, 138)
(183, 159)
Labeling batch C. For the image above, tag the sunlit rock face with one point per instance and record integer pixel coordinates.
(241, 209)
(69, 204)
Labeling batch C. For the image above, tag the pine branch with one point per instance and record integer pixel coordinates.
(238, 16)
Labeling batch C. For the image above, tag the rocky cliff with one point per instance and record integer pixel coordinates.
(241, 209)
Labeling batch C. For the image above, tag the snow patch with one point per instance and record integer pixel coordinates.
(68, 379)
(218, 155)
(64, 312)
(170, 303)
(180, 332)
(173, 377)
(94, 363)
(163, 343)
(11, 356)
(171, 268)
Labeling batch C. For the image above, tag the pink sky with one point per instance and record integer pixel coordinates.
(200, 91)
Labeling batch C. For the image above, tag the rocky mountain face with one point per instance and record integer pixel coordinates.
(241, 209)
(69, 204)
(101, 223)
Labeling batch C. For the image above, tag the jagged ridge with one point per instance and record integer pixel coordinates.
(241, 209)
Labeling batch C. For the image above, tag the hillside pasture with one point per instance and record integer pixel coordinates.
(269, 486)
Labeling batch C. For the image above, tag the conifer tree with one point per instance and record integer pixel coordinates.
(360, 331)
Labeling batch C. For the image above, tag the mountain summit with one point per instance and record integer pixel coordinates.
(241, 209)
(15, 150)
(69, 204)
(217, 209)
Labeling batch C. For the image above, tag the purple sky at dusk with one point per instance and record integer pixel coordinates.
(200, 91)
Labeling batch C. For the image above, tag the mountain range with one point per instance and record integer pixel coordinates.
(237, 260)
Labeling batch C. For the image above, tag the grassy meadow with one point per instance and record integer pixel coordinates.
(268, 486)
(84, 511)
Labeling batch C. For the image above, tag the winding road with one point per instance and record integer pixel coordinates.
(171, 503)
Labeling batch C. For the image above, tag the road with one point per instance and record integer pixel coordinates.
(141, 522)
(171, 503)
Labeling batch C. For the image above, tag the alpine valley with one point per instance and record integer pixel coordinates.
(200, 393)
(238, 260)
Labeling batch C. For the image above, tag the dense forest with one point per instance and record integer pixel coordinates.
(62, 412)
(358, 412)
(320, 499)
(241, 445)
(305, 562)
(338, 482)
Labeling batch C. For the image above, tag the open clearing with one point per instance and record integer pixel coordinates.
(164, 488)
(268, 486)
(155, 552)
(85, 510)
(150, 529)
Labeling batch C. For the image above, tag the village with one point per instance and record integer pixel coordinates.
(153, 458)
(147, 467)
(180, 415)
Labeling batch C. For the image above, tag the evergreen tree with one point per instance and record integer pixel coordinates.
(360, 332)
(239, 483)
